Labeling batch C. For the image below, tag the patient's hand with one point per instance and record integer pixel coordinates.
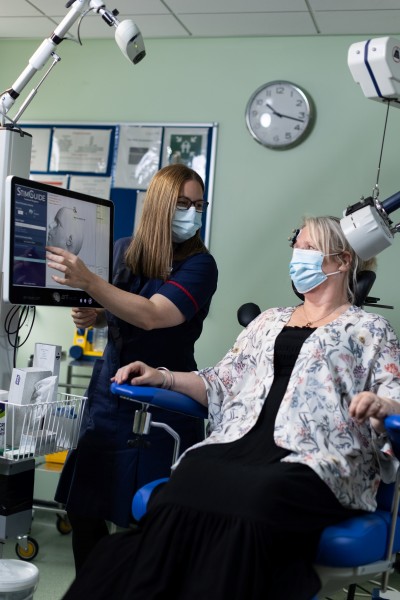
(138, 373)
(369, 405)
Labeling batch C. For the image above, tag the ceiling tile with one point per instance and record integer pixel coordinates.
(373, 22)
(16, 7)
(56, 8)
(216, 18)
(359, 5)
(138, 7)
(236, 6)
(21, 27)
(50, 8)
(253, 24)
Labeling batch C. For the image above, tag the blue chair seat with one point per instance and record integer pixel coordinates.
(142, 497)
(357, 541)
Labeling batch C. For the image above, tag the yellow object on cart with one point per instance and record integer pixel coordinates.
(56, 457)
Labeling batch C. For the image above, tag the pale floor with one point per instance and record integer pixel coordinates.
(54, 559)
(56, 570)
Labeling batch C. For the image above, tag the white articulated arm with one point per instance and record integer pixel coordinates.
(127, 36)
(42, 55)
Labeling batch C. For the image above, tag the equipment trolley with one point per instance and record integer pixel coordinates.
(26, 432)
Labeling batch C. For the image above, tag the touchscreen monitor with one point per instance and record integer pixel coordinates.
(39, 215)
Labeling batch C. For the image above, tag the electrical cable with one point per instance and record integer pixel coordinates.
(381, 152)
(23, 313)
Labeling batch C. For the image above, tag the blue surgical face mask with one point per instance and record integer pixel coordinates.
(306, 269)
(185, 223)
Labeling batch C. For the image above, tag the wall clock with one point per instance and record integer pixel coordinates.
(280, 115)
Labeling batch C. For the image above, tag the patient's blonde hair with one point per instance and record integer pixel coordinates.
(329, 238)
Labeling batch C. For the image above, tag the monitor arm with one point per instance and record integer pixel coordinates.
(127, 36)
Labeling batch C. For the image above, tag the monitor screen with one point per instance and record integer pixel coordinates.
(39, 215)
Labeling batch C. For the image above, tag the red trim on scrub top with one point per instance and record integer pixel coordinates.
(185, 291)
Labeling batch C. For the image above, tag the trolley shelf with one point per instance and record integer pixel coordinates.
(44, 428)
(28, 431)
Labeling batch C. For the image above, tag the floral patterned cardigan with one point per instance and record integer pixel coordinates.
(357, 351)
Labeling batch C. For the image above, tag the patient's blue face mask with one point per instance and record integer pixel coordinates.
(306, 269)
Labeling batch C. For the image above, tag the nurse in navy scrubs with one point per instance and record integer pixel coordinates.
(163, 282)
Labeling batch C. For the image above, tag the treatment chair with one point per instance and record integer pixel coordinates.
(354, 551)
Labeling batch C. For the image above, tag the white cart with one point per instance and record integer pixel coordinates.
(30, 431)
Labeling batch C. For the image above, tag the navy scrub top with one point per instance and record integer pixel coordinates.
(101, 476)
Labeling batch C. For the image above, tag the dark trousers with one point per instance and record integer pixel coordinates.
(86, 533)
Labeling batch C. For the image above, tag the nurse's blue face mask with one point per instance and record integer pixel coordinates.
(185, 223)
(306, 269)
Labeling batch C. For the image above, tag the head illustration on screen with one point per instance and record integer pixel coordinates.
(66, 231)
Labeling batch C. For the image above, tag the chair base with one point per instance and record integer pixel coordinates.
(333, 579)
(389, 595)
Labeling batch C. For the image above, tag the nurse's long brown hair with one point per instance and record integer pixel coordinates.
(151, 252)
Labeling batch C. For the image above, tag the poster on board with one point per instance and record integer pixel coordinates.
(187, 145)
(118, 160)
(137, 156)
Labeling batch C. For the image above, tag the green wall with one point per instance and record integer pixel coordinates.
(259, 194)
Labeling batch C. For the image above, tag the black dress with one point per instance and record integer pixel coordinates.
(233, 522)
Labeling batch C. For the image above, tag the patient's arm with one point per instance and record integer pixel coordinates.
(138, 373)
(369, 405)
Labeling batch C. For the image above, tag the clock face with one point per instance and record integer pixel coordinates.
(279, 115)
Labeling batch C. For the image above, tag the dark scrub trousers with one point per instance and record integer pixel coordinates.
(101, 475)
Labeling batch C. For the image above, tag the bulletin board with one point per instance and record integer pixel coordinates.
(118, 160)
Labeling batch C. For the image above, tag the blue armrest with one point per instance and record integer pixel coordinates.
(392, 425)
(161, 398)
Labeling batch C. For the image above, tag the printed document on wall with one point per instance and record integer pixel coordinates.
(138, 156)
(82, 150)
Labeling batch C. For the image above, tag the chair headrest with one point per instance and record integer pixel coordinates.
(365, 281)
(247, 312)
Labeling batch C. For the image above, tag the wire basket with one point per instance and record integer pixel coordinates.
(44, 428)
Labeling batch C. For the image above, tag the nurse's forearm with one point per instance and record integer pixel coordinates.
(154, 313)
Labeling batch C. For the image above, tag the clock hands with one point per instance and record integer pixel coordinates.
(280, 115)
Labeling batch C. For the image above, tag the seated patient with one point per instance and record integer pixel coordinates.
(297, 443)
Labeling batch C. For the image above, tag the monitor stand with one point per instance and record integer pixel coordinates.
(15, 159)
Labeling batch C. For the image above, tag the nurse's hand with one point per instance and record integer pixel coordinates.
(87, 317)
(138, 373)
(76, 274)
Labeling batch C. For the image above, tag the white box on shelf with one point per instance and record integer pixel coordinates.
(23, 383)
(48, 356)
(39, 442)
